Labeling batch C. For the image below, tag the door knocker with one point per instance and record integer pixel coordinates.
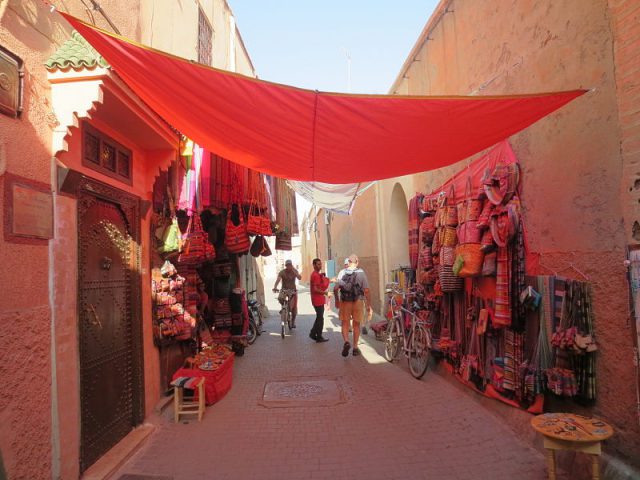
(106, 263)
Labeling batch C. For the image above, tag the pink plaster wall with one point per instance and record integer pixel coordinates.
(572, 217)
(571, 160)
(25, 315)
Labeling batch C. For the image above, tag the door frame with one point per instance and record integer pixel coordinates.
(87, 192)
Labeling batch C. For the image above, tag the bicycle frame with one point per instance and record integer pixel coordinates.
(416, 342)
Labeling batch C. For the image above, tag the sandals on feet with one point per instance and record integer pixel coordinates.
(345, 349)
(356, 352)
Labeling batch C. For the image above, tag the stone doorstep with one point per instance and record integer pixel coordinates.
(111, 461)
(163, 404)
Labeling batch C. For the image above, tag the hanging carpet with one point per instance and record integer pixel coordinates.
(315, 136)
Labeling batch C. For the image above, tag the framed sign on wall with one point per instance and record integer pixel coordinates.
(28, 215)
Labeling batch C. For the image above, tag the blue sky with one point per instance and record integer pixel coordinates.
(302, 42)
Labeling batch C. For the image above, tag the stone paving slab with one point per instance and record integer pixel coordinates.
(388, 425)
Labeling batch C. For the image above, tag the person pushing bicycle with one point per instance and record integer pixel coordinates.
(288, 276)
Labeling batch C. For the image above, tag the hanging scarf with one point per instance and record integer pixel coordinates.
(414, 225)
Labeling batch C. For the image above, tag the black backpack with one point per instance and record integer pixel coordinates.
(350, 291)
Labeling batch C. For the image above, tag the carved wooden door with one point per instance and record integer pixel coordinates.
(109, 371)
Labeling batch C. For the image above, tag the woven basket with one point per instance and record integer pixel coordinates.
(449, 282)
(451, 215)
(474, 208)
(473, 258)
(447, 255)
(468, 232)
(448, 236)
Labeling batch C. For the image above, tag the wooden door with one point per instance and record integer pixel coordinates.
(109, 324)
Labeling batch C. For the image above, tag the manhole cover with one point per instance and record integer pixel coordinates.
(302, 393)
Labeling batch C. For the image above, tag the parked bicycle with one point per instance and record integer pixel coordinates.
(409, 331)
(255, 319)
(285, 312)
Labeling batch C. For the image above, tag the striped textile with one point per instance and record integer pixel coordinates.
(186, 382)
(414, 227)
(518, 282)
(502, 315)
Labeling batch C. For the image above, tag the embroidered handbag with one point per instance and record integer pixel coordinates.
(427, 229)
(254, 220)
(265, 226)
(196, 248)
(236, 237)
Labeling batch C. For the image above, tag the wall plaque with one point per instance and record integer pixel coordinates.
(28, 215)
(11, 75)
(32, 212)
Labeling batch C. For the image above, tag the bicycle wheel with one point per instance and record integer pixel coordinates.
(252, 332)
(391, 341)
(283, 320)
(419, 351)
(258, 318)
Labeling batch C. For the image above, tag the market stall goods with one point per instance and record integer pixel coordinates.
(504, 332)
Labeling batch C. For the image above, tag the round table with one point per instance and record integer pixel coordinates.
(567, 431)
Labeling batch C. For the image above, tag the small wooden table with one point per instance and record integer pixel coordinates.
(566, 431)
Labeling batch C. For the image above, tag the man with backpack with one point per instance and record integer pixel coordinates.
(351, 288)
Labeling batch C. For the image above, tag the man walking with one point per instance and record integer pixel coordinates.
(288, 277)
(352, 287)
(319, 284)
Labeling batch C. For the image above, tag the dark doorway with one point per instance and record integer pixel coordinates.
(111, 381)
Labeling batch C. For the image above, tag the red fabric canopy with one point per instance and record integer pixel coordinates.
(315, 136)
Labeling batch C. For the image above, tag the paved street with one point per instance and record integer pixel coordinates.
(389, 425)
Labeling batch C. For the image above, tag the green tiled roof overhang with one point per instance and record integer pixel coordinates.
(75, 53)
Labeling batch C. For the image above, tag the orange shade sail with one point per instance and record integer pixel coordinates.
(315, 136)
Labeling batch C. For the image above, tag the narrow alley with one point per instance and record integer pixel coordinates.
(385, 425)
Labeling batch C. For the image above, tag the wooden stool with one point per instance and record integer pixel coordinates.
(182, 407)
(566, 431)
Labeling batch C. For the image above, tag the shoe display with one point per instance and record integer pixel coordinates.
(321, 339)
(345, 349)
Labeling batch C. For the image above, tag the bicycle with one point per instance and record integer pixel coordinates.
(285, 312)
(255, 319)
(416, 340)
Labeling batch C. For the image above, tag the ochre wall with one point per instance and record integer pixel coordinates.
(571, 161)
(625, 22)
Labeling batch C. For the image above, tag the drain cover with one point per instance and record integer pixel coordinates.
(132, 476)
(302, 393)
